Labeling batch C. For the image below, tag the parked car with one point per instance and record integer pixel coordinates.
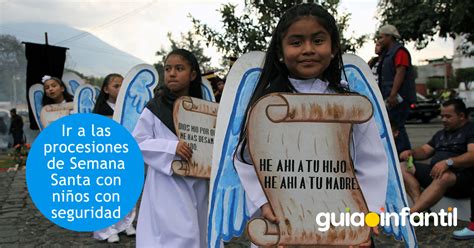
(424, 109)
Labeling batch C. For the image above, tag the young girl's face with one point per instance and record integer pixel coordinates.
(220, 86)
(306, 49)
(54, 90)
(113, 88)
(178, 75)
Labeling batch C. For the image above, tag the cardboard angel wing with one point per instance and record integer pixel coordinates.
(84, 98)
(361, 80)
(207, 93)
(35, 95)
(228, 213)
(72, 82)
(135, 92)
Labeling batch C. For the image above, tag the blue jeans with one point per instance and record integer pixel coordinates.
(399, 114)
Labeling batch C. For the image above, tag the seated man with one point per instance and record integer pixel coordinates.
(452, 160)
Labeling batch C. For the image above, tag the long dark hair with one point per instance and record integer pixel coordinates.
(273, 68)
(46, 100)
(276, 72)
(102, 98)
(195, 85)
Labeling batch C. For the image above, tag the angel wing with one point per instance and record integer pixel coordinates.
(35, 95)
(97, 92)
(207, 93)
(228, 212)
(361, 80)
(136, 91)
(72, 82)
(84, 99)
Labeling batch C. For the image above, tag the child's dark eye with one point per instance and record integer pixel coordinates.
(295, 43)
(318, 41)
(180, 68)
(167, 69)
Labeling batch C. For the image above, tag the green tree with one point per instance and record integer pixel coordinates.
(465, 75)
(190, 42)
(421, 20)
(253, 29)
(12, 70)
(437, 83)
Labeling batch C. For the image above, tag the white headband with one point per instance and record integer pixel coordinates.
(45, 78)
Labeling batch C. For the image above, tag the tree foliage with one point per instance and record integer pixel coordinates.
(465, 75)
(421, 20)
(437, 83)
(12, 69)
(252, 30)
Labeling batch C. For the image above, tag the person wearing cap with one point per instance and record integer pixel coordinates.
(396, 81)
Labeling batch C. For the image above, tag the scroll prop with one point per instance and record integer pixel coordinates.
(52, 112)
(195, 123)
(299, 144)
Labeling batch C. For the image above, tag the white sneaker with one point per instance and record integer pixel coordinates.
(463, 234)
(114, 238)
(130, 231)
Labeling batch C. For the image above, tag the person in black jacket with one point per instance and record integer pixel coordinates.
(16, 128)
(396, 80)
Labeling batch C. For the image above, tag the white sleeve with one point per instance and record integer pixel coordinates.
(249, 179)
(158, 153)
(370, 163)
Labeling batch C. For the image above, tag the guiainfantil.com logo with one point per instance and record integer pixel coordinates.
(443, 218)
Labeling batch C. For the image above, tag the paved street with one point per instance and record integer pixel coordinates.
(21, 225)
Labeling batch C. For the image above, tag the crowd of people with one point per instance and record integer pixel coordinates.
(304, 55)
(451, 150)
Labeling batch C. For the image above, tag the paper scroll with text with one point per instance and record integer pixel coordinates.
(195, 123)
(300, 146)
(52, 112)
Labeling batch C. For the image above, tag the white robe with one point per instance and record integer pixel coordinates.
(173, 210)
(120, 226)
(367, 153)
(117, 228)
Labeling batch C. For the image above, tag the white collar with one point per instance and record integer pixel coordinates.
(313, 85)
(111, 104)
